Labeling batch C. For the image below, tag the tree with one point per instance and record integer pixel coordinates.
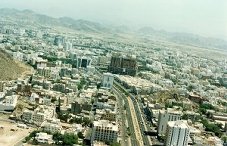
(80, 135)
(86, 121)
(63, 117)
(31, 135)
(115, 144)
(212, 127)
(66, 139)
(224, 138)
(69, 139)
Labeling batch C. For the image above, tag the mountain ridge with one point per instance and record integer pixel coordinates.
(95, 27)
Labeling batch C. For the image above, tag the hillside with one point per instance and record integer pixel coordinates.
(9, 69)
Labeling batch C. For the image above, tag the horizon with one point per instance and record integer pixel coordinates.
(179, 16)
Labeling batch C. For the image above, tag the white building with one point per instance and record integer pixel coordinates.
(105, 131)
(68, 45)
(39, 115)
(165, 116)
(107, 80)
(51, 127)
(177, 133)
(43, 138)
(9, 103)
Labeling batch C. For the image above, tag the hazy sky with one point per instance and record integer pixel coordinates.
(205, 17)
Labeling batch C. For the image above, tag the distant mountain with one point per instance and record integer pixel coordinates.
(89, 26)
(184, 38)
(81, 25)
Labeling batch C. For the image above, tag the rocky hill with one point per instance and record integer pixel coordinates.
(9, 69)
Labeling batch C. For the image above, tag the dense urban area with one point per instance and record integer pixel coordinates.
(60, 86)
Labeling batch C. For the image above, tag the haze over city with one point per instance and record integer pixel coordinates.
(113, 73)
(204, 17)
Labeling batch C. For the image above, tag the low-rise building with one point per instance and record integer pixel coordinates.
(44, 138)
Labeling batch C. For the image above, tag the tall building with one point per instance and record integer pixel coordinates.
(105, 131)
(177, 133)
(224, 79)
(68, 45)
(2, 84)
(125, 65)
(83, 62)
(164, 117)
(107, 80)
(59, 40)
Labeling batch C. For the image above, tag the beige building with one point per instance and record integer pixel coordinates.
(104, 130)
(51, 127)
(39, 115)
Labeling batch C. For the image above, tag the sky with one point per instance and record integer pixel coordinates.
(204, 17)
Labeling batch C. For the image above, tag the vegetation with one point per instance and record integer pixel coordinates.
(81, 84)
(212, 127)
(66, 139)
(115, 144)
(128, 131)
(31, 135)
(63, 116)
(80, 135)
(83, 121)
(204, 107)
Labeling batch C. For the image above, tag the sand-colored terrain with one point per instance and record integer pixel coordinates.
(10, 134)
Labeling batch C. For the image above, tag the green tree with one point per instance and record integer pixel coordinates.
(69, 139)
(86, 121)
(66, 139)
(115, 144)
(80, 135)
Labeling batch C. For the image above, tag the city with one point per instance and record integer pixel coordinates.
(63, 82)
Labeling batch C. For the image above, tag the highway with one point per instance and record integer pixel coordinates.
(142, 124)
(123, 121)
(133, 140)
(139, 125)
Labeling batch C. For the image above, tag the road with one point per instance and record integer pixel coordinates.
(123, 122)
(128, 117)
(136, 138)
(141, 122)
(136, 122)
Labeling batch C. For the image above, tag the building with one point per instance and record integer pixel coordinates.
(83, 62)
(27, 116)
(44, 71)
(59, 40)
(105, 131)
(224, 79)
(81, 104)
(124, 65)
(2, 85)
(107, 80)
(39, 115)
(51, 127)
(164, 117)
(8, 103)
(177, 133)
(44, 138)
(68, 45)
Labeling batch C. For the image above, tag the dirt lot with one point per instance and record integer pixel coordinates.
(10, 134)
